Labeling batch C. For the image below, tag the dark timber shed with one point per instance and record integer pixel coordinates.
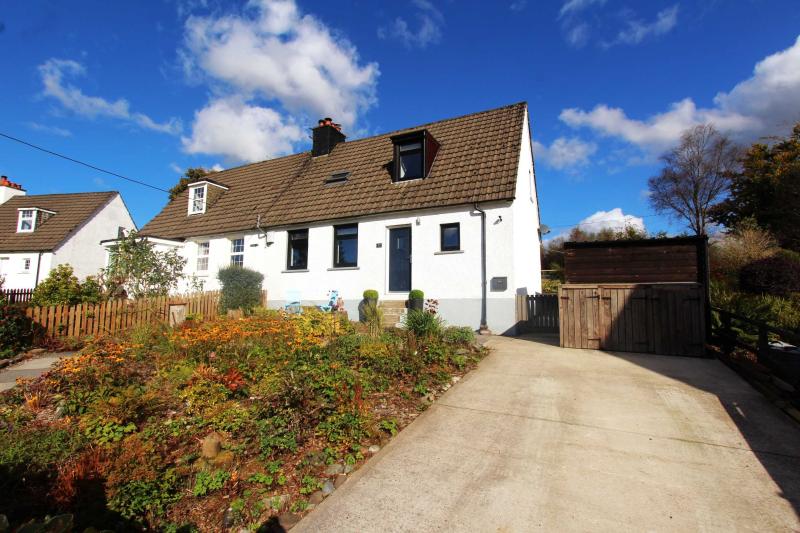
(646, 295)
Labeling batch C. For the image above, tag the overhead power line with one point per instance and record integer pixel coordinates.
(78, 161)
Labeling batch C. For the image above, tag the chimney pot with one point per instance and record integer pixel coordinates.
(326, 135)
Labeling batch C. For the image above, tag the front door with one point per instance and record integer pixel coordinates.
(400, 259)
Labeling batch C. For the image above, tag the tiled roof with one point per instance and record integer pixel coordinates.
(477, 162)
(71, 210)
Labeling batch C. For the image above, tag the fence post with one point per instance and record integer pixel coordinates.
(763, 342)
(727, 333)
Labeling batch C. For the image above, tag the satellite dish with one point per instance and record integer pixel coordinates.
(544, 229)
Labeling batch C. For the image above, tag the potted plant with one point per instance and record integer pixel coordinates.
(416, 299)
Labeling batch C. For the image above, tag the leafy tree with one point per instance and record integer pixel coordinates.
(696, 175)
(767, 190)
(137, 269)
(192, 175)
(62, 287)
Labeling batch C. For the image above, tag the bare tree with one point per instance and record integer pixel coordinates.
(695, 176)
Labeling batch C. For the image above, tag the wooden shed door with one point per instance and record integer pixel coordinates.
(626, 322)
(579, 317)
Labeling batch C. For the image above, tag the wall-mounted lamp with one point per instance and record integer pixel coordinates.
(418, 221)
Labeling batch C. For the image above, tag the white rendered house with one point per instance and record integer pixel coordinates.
(449, 207)
(39, 232)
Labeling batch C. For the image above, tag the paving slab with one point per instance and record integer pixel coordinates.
(540, 438)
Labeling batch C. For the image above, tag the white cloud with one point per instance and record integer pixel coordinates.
(176, 168)
(572, 7)
(230, 127)
(518, 5)
(578, 35)
(53, 130)
(613, 219)
(272, 66)
(764, 104)
(54, 73)
(564, 153)
(216, 167)
(429, 29)
(637, 30)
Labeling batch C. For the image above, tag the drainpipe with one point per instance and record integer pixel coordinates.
(484, 327)
(38, 265)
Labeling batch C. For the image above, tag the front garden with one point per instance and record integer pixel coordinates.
(226, 424)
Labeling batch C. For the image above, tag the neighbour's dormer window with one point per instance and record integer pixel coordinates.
(197, 200)
(27, 220)
(413, 155)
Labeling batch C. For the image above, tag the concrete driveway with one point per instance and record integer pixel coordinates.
(551, 439)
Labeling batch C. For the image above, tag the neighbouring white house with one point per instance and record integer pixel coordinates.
(448, 207)
(40, 232)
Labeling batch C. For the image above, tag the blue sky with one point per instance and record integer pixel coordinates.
(147, 89)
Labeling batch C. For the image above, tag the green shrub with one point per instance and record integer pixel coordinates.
(550, 286)
(370, 294)
(137, 498)
(241, 288)
(778, 275)
(16, 330)
(61, 287)
(206, 482)
(416, 294)
(422, 324)
(459, 335)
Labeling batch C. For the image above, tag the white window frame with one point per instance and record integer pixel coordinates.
(23, 218)
(235, 253)
(193, 201)
(203, 252)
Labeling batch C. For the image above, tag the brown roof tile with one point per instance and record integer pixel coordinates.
(477, 162)
(71, 210)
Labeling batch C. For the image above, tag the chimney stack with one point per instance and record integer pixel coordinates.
(327, 134)
(9, 189)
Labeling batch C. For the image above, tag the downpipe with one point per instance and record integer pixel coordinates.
(484, 328)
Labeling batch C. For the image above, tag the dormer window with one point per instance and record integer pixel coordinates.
(202, 194)
(413, 155)
(197, 200)
(27, 220)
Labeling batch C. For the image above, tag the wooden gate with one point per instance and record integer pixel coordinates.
(665, 318)
(538, 312)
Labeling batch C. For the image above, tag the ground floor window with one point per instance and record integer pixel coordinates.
(450, 237)
(297, 252)
(202, 256)
(237, 252)
(345, 245)
(26, 264)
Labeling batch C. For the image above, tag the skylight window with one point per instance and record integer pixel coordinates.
(338, 177)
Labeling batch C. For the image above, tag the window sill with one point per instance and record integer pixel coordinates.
(448, 252)
(202, 274)
(293, 270)
(344, 268)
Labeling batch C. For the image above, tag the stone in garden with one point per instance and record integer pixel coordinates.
(328, 488)
(340, 478)
(279, 502)
(212, 445)
(374, 448)
(335, 468)
(317, 459)
(455, 379)
(348, 468)
(288, 520)
(228, 518)
(36, 351)
(316, 498)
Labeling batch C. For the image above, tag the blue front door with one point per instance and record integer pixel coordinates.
(400, 259)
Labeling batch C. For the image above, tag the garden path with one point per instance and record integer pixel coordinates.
(30, 368)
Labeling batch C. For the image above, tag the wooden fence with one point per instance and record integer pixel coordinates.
(667, 318)
(16, 296)
(118, 315)
(537, 312)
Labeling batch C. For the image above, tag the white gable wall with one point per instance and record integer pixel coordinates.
(12, 268)
(82, 249)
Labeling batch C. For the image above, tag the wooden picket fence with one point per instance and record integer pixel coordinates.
(112, 316)
(16, 296)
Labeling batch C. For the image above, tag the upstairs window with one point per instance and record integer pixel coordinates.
(237, 252)
(197, 200)
(27, 219)
(413, 155)
(202, 256)
(345, 246)
(450, 237)
(297, 253)
(26, 264)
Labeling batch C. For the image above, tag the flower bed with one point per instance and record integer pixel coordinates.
(222, 424)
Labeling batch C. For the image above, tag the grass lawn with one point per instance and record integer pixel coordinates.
(220, 424)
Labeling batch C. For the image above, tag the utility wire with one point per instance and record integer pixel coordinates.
(93, 167)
